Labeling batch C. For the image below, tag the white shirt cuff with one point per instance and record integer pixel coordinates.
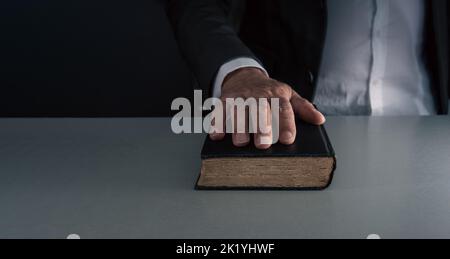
(230, 67)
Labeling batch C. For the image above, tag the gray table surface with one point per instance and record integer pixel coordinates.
(133, 178)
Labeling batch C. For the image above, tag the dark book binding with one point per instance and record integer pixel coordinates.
(311, 142)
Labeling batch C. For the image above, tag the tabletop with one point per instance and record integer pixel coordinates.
(134, 178)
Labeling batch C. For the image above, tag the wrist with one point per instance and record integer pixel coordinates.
(245, 72)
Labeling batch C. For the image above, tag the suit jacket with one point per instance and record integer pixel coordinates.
(286, 36)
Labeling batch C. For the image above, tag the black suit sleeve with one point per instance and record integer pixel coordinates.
(206, 37)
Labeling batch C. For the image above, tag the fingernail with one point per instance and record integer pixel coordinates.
(212, 129)
(322, 119)
(214, 136)
(242, 138)
(266, 140)
(288, 135)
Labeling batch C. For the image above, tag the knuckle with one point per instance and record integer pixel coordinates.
(302, 100)
(287, 114)
(246, 92)
(286, 109)
(282, 90)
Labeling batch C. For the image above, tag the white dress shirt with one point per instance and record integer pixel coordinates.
(372, 61)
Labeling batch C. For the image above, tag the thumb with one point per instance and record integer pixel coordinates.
(306, 110)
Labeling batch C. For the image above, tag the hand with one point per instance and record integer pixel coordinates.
(254, 83)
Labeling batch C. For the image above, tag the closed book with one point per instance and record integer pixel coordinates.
(308, 164)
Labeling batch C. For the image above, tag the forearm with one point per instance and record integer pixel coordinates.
(205, 37)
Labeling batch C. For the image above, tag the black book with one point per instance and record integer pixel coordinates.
(308, 164)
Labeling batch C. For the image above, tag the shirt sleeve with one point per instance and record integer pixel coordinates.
(230, 67)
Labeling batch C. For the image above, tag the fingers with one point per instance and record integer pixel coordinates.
(306, 110)
(218, 126)
(215, 136)
(264, 136)
(232, 119)
(288, 130)
(263, 139)
(241, 137)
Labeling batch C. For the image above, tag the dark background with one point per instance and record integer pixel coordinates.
(88, 58)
